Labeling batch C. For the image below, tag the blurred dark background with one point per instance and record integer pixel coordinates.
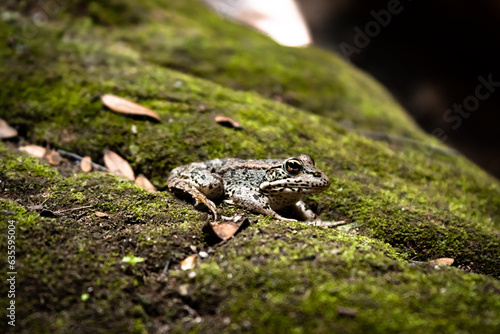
(430, 55)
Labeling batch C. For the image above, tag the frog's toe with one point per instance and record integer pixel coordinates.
(279, 217)
(205, 203)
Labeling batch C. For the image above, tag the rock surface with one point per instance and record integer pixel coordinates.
(96, 253)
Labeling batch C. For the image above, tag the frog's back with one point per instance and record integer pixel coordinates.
(222, 166)
(240, 174)
(242, 179)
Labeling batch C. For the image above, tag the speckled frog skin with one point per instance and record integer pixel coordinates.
(263, 186)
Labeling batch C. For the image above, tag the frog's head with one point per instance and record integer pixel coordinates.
(295, 175)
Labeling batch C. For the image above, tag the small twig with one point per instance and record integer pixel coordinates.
(167, 264)
(79, 158)
(45, 201)
(82, 207)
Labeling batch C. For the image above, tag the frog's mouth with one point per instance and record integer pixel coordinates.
(292, 186)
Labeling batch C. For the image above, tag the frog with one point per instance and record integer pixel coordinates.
(265, 186)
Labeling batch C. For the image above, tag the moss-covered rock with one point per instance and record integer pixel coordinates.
(409, 199)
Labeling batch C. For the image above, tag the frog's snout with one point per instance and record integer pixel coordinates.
(321, 181)
(326, 182)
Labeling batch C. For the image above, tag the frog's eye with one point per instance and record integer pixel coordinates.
(293, 166)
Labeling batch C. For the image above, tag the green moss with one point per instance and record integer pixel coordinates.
(407, 202)
(332, 270)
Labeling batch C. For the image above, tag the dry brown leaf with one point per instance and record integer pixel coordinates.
(86, 164)
(53, 157)
(189, 262)
(228, 122)
(117, 165)
(123, 106)
(225, 231)
(143, 182)
(34, 150)
(6, 131)
(446, 261)
(101, 214)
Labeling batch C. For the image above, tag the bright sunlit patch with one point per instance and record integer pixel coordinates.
(280, 19)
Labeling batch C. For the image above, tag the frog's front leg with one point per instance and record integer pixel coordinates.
(255, 201)
(200, 184)
(303, 211)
